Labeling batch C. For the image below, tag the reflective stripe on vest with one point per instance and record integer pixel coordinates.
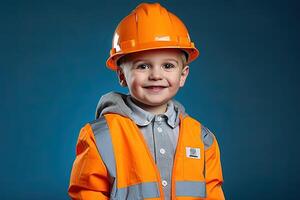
(150, 190)
(191, 188)
(138, 191)
(104, 144)
(207, 137)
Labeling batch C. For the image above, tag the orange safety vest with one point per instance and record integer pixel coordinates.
(114, 162)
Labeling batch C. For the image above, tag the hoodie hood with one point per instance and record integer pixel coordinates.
(115, 102)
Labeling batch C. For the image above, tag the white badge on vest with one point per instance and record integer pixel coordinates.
(192, 152)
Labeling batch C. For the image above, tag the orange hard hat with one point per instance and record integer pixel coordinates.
(150, 26)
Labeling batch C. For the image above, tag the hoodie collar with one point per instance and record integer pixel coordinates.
(114, 102)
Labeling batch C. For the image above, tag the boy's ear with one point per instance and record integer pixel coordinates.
(184, 74)
(121, 77)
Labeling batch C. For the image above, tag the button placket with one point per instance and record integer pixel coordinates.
(163, 151)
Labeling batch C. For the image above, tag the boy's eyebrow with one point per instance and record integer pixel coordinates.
(139, 60)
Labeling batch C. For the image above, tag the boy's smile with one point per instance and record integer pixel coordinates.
(153, 77)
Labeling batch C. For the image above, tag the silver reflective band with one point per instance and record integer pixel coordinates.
(191, 188)
(138, 191)
(104, 144)
(207, 137)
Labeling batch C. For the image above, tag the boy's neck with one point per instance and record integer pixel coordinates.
(152, 109)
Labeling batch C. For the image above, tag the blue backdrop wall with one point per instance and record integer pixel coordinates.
(244, 87)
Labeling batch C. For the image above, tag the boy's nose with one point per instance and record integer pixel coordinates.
(155, 73)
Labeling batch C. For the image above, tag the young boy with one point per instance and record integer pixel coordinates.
(144, 145)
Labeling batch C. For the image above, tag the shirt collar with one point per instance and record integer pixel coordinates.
(144, 118)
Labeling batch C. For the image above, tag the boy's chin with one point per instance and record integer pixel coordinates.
(157, 103)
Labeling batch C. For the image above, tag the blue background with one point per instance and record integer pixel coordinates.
(244, 87)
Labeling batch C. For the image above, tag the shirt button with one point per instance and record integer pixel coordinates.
(164, 183)
(159, 118)
(162, 151)
(159, 129)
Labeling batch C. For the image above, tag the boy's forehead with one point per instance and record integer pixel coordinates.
(156, 54)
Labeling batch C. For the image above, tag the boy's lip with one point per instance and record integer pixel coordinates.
(155, 88)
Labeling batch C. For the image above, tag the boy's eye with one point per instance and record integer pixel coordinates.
(143, 66)
(168, 66)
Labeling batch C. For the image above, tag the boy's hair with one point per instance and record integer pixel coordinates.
(183, 56)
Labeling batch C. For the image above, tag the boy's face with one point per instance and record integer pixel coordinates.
(153, 77)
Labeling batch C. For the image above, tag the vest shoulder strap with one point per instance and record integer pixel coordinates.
(104, 144)
(207, 137)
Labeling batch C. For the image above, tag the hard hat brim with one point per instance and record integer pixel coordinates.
(111, 62)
